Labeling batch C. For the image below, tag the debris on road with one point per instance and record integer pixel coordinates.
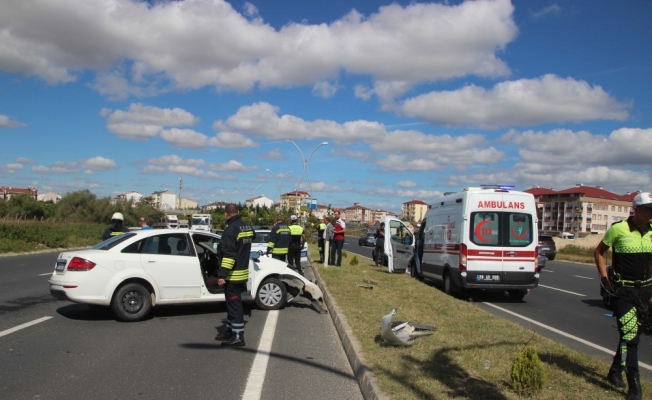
(400, 333)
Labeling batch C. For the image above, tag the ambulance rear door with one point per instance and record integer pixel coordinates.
(484, 249)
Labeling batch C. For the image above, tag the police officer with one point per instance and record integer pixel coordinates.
(632, 286)
(116, 228)
(297, 239)
(320, 239)
(279, 239)
(234, 272)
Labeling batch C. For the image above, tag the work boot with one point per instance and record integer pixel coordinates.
(615, 376)
(226, 335)
(237, 339)
(634, 382)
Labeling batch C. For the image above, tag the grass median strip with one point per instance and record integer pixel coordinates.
(471, 353)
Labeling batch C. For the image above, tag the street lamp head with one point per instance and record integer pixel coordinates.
(324, 142)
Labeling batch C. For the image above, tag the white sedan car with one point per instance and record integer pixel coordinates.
(135, 271)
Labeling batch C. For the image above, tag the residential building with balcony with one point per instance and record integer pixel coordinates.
(7, 191)
(414, 210)
(357, 213)
(293, 200)
(580, 209)
(164, 200)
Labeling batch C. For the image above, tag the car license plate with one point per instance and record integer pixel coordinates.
(545, 248)
(487, 278)
(60, 266)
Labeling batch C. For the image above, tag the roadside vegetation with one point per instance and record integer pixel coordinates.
(470, 355)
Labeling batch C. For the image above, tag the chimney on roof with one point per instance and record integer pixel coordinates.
(579, 184)
(537, 186)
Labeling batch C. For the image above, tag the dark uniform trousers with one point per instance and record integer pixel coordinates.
(294, 257)
(281, 257)
(625, 311)
(235, 311)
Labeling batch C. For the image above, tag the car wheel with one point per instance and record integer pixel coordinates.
(271, 294)
(132, 302)
(551, 257)
(517, 295)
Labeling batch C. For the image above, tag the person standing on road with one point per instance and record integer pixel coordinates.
(338, 238)
(631, 240)
(328, 239)
(297, 239)
(380, 245)
(234, 249)
(320, 239)
(116, 228)
(143, 224)
(279, 239)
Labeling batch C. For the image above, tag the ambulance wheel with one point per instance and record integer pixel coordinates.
(449, 286)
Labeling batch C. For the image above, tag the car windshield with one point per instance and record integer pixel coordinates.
(113, 241)
(261, 237)
(200, 221)
(545, 239)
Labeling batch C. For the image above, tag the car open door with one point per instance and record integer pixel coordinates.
(399, 244)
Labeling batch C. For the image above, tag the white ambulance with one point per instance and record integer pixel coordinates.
(479, 238)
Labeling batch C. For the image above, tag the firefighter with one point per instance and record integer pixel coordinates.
(279, 239)
(116, 228)
(233, 273)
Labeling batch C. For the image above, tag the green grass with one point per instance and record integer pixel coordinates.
(451, 363)
(581, 254)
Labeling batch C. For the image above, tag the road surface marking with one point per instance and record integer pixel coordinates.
(25, 325)
(583, 277)
(256, 378)
(49, 273)
(545, 270)
(568, 335)
(562, 290)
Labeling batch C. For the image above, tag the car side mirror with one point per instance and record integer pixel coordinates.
(254, 255)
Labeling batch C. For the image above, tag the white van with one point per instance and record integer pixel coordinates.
(479, 238)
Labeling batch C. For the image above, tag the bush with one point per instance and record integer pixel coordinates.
(528, 375)
(354, 261)
(345, 254)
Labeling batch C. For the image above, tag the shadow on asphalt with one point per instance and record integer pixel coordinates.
(25, 302)
(596, 303)
(442, 367)
(306, 362)
(83, 312)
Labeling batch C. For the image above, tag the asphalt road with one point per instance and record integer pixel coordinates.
(80, 354)
(567, 300)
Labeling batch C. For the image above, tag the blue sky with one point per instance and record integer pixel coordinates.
(414, 99)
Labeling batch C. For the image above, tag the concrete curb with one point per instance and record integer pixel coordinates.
(361, 369)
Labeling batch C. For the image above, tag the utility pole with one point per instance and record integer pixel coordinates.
(180, 187)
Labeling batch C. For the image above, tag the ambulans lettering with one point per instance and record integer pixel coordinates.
(513, 205)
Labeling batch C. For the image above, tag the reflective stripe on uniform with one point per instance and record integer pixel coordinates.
(228, 263)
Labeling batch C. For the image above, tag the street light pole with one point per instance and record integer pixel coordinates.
(278, 187)
(305, 165)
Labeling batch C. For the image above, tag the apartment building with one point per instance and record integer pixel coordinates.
(7, 191)
(49, 196)
(164, 200)
(133, 196)
(293, 200)
(259, 201)
(580, 209)
(357, 213)
(414, 210)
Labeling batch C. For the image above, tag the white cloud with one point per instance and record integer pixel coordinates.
(325, 89)
(24, 160)
(273, 155)
(59, 167)
(190, 44)
(232, 166)
(562, 147)
(549, 99)
(375, 183)
(554, 8)
(5, 121)
(184, 138)
(10, 168)
(231, 140)
(324, 187)
(173, 159)
(409, 150)
(407, 184)
(98, 164)
(424, 195)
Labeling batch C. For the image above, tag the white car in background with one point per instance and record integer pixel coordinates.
(262, 240)
(135, 271)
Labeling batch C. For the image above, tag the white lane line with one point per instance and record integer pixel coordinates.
(25, 325)
(583, 277)
(256, 378)
(49, 273)
(568, 335)
(562, 290)
(546, 270)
